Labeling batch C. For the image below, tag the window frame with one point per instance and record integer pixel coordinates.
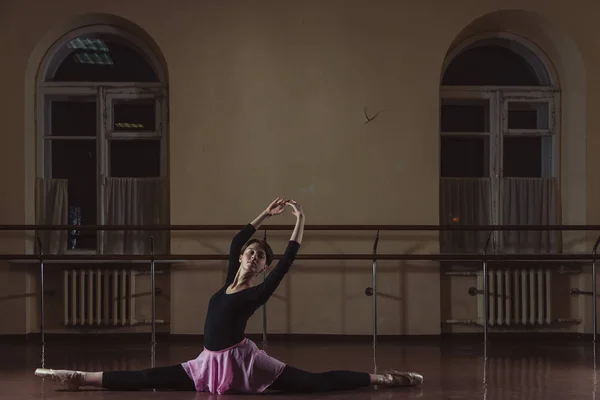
(549, 96)
(499, 97)
(104, 93)
(160, 122)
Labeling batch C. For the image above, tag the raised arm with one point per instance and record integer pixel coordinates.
(268, 287)
(298, 232)
(277, 206)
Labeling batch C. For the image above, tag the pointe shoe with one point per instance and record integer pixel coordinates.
(399, 378)
(72, 380)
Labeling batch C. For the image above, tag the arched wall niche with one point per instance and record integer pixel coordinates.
(562, 59)
(43, 58)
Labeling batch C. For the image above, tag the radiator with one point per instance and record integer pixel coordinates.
(99, 296)
(516, 297)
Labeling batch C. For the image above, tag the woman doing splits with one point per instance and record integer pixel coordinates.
(230, 362)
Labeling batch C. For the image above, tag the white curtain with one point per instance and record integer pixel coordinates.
(135, 201)
(524, 201)
(464, 201)
(530, 201)
(52, 209)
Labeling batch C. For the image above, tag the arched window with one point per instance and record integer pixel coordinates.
(102, 146)
(499, 145)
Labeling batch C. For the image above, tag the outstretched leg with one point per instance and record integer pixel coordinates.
(160, 378)
(296, 380)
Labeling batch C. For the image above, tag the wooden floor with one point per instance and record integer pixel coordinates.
(453, 368)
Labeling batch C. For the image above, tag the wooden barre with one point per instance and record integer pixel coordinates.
(486, 228)
(333, 257)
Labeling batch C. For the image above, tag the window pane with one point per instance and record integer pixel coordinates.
(465, 115)
(464, 157)
(527, 156)
(72, 116)
(528, 115)
(102, 58)
(495, 64)
(134, 115)
(75, 160)
(135, 158)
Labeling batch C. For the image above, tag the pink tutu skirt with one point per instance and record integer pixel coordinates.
(242, 368)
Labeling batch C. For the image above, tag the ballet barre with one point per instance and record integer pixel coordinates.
(484, 257)
(426, 227)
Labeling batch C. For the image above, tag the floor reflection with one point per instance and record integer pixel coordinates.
(463, 369)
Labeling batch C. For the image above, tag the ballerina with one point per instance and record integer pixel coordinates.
(230, 362)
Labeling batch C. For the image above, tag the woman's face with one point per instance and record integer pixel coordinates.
(253, 259)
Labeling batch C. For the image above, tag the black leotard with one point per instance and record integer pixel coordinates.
(228, 314)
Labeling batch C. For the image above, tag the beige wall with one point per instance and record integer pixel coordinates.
(267, 99)
(13, 299)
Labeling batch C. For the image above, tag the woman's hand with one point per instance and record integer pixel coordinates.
(276, 207)
(296, 208)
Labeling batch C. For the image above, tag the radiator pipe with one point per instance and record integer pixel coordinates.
(473, 291)
(558, 321)
(568, 321)
(264, 341)
(461, 273)
(485, 290)
(462, 321)
(594, 290)
(137, 273)
(42, 318)
(146, 321)
(375, 302)
(579, 292)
